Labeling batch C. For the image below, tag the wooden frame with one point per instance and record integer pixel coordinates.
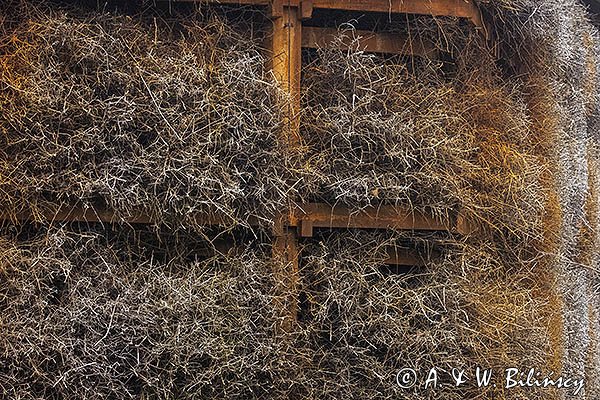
(285, 46)
(376, 42)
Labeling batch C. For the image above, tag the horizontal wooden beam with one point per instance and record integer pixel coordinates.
(304, 217)
(76, 214)
(454, 8)
(82, 214)
(320, 215)
(373, 42)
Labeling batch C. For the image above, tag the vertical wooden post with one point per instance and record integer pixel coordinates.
(286, 46)
(285, 256)
(286, 50)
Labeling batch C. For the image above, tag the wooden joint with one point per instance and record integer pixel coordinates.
(276, 9)
(306, 228)
(306, 9)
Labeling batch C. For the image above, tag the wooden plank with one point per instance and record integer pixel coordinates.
(96, 215)
(305, 217)
(455, 8)
(76, 214)
(235, 2)
(384, 217)
(374, 42)
(276, 8)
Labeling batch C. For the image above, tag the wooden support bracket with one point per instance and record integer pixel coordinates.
(78, 214)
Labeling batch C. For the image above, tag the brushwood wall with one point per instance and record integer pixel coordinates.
(170, 113)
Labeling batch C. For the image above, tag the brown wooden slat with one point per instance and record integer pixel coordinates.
(77, 214)
(374, 42)
(455, 8)
(384, 217)
(304, 216)
(80, 214)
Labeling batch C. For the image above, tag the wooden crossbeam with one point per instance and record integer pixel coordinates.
(76, 214)
(454, 8)
(303, 217)
(373, 42)
(306, 9)
(319, 215)
(95, 215)
(285, 242)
